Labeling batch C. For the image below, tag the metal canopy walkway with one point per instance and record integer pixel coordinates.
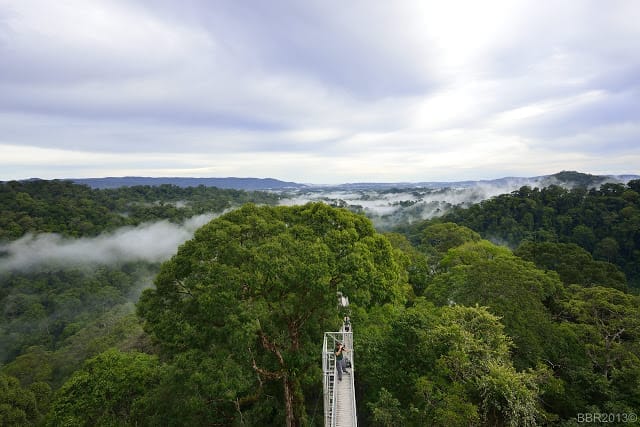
(339, 396)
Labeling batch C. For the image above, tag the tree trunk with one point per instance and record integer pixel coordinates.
(287, 385)
(288, 403)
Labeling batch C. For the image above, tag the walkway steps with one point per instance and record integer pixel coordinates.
(344, 402)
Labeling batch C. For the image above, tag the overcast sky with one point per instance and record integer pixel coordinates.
(319, 91)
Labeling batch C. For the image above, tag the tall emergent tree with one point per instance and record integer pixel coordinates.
(248, 298)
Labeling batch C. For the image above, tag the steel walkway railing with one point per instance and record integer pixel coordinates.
(339, 396)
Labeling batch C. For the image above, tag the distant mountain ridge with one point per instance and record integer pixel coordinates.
(564, 178)
(225, 183)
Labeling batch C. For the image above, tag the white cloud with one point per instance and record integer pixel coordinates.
(152, 242)
(514, 117)
(98, 40)
(316, 91)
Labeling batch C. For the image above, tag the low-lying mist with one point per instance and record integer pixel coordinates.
(155, 242)
(390, 207)
(150, 242)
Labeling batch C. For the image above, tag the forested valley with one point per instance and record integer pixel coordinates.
(520, 310)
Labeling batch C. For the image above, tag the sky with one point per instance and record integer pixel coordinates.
(319, 92)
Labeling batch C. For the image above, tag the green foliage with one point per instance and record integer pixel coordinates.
(578, 179)
(34, 365)
(415, 261)
(106, 391)
(590, 238)
(438, 238)
(16, 406)
(207, 388)
(259, 285)
(386, 411)
(573, 264)
(52, 321)
(39, 206)
(455, 368)
(45, 308)
(482, 336)
(21, 406)
(118, 327)
(490, 275)
(607, 322)
(605, 221)
(508, 397)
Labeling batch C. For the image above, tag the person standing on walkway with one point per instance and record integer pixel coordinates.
(340, 365)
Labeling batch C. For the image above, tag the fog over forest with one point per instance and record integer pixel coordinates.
(191, 191)
(406, 203)
(151, 242)
(158, 241)
(81, 299)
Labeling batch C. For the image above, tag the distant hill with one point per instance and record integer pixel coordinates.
(575, 179)
(568, 179)
(226, 183)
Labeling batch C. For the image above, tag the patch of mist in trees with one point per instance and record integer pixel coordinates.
(499, 241)
(143, 282)
(388, 208)
(149, 242)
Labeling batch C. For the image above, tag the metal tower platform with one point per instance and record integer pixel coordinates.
(339, 396)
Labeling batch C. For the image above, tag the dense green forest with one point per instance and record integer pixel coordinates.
(54, 317)
(521, 310)
(604, 222)
(40, 206)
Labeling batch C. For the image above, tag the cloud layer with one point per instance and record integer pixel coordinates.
(152, 242)
(320, 92)
(389, 208)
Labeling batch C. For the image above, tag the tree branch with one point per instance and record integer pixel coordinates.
(268, 345)
(267, 374)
